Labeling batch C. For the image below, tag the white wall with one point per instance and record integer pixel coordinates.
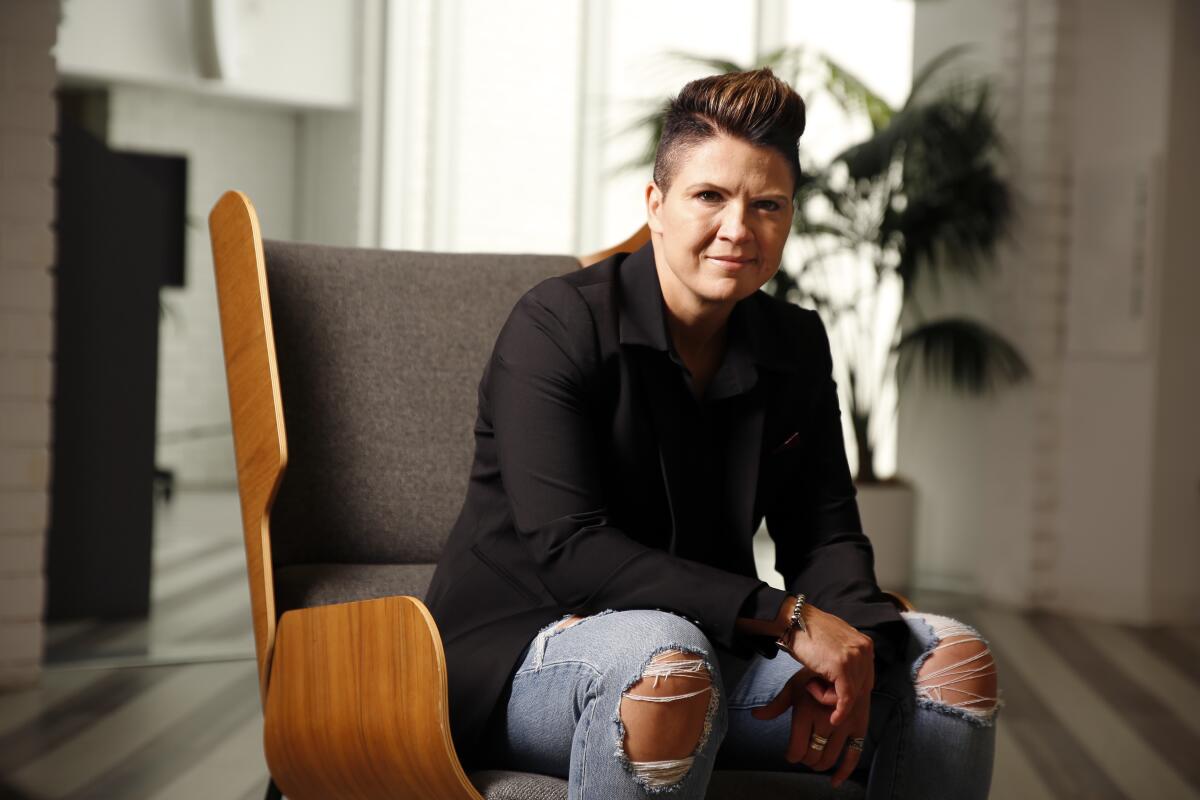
(969, 458)
(1064, 493)
(297, 52)
(291, 126)
(227, 145)
(1175, 475)
(27, 169)
(1119, 119)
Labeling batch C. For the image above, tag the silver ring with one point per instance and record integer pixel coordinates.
(857, 744)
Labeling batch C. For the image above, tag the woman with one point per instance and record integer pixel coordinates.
(597, 598)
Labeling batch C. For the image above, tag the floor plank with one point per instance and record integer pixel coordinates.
(69, 766)
(233, 769)
(1130, 762)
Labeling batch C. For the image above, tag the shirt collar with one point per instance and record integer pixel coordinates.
(753, 338)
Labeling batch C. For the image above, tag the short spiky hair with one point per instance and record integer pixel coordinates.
(754, 106)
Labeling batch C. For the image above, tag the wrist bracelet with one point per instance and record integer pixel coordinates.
(795, 623)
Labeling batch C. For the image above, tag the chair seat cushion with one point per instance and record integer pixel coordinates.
(725, 785)
(307, 585)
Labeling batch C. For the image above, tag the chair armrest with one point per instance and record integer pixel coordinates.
(901, 602)
(357, 705)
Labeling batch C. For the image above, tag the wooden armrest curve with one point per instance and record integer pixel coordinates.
(357, 705)
(901, 602)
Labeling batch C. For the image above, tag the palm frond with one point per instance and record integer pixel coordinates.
(855, 96)
(719, 65)
(650, 124)
(961, 353)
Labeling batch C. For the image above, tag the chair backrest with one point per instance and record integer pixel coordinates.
(380, 354)
(376, 356)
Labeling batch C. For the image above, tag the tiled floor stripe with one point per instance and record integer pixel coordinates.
(233, 769)
(234, 626)
(190, 738)
(19, 707)
(1013, 776)
(1142, 713)
(198, 573)
(57, 632)
(1156, 675)
(173, 555)
(1191, 635)
(73, 713)
(1036, 730)
(68, 768)
(1173, 645)
(1128, 760)
(174, 620)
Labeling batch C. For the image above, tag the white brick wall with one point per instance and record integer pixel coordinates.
(27, 165)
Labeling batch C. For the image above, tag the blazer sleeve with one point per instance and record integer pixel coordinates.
(820, 546)
(540, 388)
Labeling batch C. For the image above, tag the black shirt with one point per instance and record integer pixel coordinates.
(706, 423)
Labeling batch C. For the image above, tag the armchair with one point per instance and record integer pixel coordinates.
(350, 472)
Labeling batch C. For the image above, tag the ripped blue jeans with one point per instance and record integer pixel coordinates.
(563, 716)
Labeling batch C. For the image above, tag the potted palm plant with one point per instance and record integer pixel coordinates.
(919, 202)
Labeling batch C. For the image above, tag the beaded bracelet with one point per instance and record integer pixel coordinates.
(795, 623)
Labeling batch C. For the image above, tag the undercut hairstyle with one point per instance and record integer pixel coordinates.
(755, 106)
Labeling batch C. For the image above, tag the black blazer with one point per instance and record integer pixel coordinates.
(569, 504)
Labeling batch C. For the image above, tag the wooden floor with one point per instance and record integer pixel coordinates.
(169, 708)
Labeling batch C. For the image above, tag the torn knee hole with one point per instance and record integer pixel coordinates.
(574, 619)
(960, 673)
(666, 717)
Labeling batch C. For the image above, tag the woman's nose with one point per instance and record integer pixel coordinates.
(733, 223)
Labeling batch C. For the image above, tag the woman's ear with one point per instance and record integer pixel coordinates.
(654, 202)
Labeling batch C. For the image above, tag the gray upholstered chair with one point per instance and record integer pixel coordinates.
(372, 359)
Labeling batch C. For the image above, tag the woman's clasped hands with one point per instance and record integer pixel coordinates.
(830, 698)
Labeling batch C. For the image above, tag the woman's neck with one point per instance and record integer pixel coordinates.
(697, 328)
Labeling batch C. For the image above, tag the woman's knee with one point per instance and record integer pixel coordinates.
(671, 707)
(956, 671)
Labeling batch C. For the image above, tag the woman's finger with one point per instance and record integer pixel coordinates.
(818, 727)
(822, 691)
(833, 748)
(850, 755)
(846, 698)
(850, 758)
(781, 703)
(802, 726)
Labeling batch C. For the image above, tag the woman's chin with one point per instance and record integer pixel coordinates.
(727, 290)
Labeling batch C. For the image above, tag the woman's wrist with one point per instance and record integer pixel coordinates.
(783, 618)
(772, 627)
(792, 619)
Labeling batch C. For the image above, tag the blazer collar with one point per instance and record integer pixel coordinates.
(752, 335)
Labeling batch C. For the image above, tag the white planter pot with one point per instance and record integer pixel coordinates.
(887, 511)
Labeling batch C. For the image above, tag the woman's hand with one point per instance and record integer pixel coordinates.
(834, 650)
(810, 698)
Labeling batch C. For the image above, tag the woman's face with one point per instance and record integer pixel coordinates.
(720, 229)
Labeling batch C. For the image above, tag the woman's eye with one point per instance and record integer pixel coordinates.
(709, 195)
(769, 205)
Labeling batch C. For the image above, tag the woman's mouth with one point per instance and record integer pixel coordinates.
(730, 262)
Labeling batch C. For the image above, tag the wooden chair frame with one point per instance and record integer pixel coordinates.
(339, 720)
